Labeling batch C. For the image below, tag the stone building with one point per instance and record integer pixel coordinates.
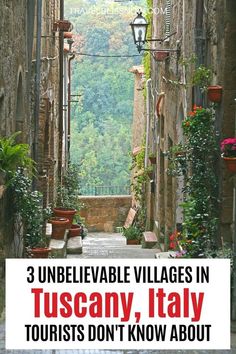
(32, 92)
(139, 117)
(207, 30)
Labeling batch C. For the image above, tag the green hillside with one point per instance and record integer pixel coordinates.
(101, 121)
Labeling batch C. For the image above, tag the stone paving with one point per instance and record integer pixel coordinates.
(112, 245)
(102, 245)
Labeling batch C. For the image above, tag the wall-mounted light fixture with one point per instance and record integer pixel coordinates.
(139, 29)
(70, 41)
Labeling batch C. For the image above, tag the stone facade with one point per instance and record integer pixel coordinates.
(205, 29)
(139, 118)
(105, 213)
(31, 95)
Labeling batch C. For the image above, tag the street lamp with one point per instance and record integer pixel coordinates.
(139, 28)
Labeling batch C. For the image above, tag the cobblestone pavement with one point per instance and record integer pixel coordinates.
(113, 245)
(102, 245)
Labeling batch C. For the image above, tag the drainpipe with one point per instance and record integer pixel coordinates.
(60, 105)
(148, 90)
(69, 100)
(37, 81)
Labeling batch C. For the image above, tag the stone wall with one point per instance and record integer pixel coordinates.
(105, 213)
(139, 117)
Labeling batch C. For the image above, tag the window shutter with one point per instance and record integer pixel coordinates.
(168, 18)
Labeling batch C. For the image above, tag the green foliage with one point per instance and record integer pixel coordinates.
(68, 192)
(13, 155)
(101, 121)
(200, 206)
(177, 157)
(103, 158)
(202, 77)
(139, 177)
(132, 233)
(28, 204)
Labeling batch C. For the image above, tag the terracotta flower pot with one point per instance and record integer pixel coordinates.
(68, 35)
(161, 56)
(64, 25)
(75, 230)
(59, 226)
(214, 93)
(230, 163)
(40, 252)
(65, 213)
(153, 159)
(132, 242)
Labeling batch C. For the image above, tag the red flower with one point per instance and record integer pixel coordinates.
(187, 124)
(195, 107)
(172, 245)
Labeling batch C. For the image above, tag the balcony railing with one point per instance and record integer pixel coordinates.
(105, 190)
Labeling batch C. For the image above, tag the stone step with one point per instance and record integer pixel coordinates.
(58, 248)
(149, 239)
(164, 255)
(74, 245)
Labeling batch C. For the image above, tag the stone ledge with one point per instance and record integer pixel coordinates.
(58, 248)
(74, 245)
(89, 197)
(149, 239)
(164, 255)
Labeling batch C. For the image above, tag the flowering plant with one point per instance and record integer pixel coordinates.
(173, 238)
(228, 147)
(197, 116)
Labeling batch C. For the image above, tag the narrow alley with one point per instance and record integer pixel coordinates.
(118, 141)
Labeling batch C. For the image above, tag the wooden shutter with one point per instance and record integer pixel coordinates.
(168, 18)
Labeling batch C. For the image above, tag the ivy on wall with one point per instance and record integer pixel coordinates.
(201, 205)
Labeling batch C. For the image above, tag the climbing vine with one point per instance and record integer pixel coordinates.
(147, 56)
(200, 205)
(140, 176)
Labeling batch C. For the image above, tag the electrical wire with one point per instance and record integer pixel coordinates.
(107, 56)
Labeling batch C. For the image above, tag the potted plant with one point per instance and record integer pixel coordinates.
(161, 55)
(202, 77)
(214, 93)
(13, 156)
(75, 230)
(228, 149)
(63, 25)
(28, 204)
(133, 235)
(59, 226)
(152, 158)
(68, 35)
(68, 193)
